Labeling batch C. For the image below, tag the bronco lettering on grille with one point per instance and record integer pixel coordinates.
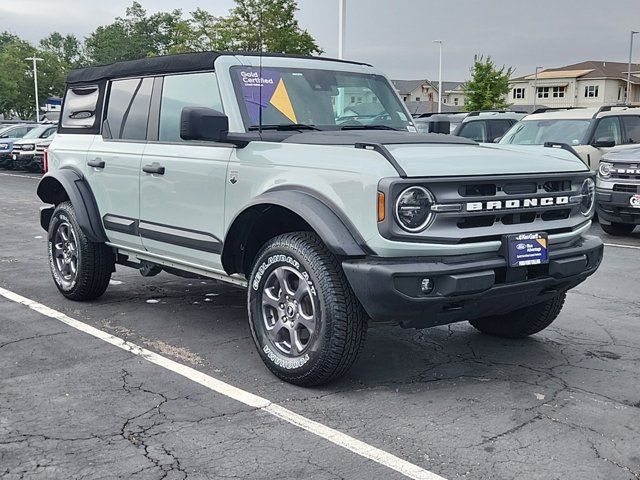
(516, 203)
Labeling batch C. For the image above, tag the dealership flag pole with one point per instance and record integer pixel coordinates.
(35, 83)
(628, 95)
(342, 22)
(439, 42)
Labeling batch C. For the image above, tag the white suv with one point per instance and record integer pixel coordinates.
(591, 132)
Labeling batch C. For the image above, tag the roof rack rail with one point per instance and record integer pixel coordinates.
(607, 108)
(552, 109)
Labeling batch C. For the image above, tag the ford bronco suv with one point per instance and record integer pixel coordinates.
(618, 191)
(244, 168)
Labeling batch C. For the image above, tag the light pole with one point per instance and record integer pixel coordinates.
(342, 21)
(535, 89)
(35, 61)
(439, 42)
(627, 96)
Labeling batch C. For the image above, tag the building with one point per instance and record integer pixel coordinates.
(584, 84)
(421, 96)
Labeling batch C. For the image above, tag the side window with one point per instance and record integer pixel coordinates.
(128, 110)
(474, 130)
(80, 105)
(632, 129)
(189, 90)
(499, 128)
(608, 127)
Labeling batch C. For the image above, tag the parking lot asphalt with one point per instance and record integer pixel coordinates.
(563, 404)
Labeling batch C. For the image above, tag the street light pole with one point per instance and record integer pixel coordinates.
(627, 102)
(439, 42)
(342, 21)
(535, 89)
(35, 83)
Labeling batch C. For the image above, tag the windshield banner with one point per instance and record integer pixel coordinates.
(261, 90)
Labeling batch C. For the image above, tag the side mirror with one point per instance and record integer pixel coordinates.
(439, 124)
(604, 142)
(200, 123)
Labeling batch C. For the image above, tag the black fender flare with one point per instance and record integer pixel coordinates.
(58, 185)
(338, 234)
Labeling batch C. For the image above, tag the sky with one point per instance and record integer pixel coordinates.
(397, 35)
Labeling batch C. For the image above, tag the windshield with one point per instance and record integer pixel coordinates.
(323, 99)
(42, 131)
(537, 132)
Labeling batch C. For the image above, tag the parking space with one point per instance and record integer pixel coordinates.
(563, 404)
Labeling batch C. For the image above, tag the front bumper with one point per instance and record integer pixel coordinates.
(615, 207)
(465, 287)
(23, 160)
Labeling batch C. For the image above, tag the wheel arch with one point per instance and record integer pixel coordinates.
(283, 211)
(69, 184)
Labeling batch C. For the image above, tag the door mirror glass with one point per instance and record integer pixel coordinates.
(604, 142)
(204, 124)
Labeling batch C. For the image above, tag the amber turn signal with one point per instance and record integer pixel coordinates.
(381, 205)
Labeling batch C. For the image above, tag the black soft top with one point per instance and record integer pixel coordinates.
(179, 63)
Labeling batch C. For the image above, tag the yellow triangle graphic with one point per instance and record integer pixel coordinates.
(282, 102)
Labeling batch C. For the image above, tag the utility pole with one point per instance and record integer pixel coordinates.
(35, 83)
(439, 42)
(342, 28)
(535, 89)
(628, 95)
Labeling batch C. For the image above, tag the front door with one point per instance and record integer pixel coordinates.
(182, 183)
(113, 161)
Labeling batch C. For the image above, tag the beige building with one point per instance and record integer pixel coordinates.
(585, 84)
(421, 96)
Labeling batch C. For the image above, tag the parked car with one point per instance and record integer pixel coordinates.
(424, 121)
(590, 132)
(9, 133)
(487, 126)
(618, 191)
(23, 152)
(331, 227)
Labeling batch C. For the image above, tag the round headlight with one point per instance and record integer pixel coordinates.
(605, 169)
(413, 209)
(588, 193)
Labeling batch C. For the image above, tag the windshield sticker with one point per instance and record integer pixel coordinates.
(274, 92)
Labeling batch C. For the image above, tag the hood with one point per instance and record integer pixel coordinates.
(627, 155)
(33, 141)
(426, 160)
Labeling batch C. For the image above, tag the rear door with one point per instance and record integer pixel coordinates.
(113, 162)
(183, 188)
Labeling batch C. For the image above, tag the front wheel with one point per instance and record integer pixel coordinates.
(81, 269)
(618, 229)
(305, 320)
(524, 322)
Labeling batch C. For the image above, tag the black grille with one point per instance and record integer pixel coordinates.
(629, 171)
(621, 187)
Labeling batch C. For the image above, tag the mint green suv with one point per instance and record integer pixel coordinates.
(304, 181)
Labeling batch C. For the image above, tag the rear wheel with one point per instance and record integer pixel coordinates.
(618, 229)
(305, 320)
(81, 269)
(524, 322)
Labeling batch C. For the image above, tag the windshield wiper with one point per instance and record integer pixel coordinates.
(367, 127)
(283, 127)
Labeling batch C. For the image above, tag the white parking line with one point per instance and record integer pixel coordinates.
(336, 437)
(619, 245)
(33, 177)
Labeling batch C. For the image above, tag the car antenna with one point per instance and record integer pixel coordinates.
(260, 84)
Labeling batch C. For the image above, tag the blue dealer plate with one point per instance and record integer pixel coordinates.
(528, 249)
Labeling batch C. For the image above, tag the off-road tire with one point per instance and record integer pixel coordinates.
(341, 320)
(618, 229)
(95, 261)
(524, 322)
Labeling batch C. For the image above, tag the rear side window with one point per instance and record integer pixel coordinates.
(632, 129)
(80, 106)
(179, 91)
(499, 127)
(128, 109)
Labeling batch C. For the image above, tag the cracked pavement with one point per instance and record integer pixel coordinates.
(563, 404)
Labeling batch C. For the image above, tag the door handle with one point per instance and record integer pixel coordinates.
(96, 163)
(153, 168)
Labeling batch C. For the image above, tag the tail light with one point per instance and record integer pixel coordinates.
(45, 161)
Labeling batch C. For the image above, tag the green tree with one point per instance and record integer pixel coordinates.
(272, 21)
(67, 48)
(488, 86)
(16, 81)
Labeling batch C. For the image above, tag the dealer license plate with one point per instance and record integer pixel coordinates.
(528, 249)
